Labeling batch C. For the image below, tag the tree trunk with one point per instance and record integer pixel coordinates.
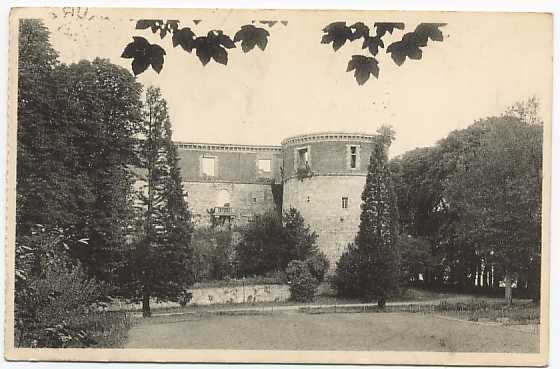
(381, 301)
(478, 282)
(146, 311)
(507, 282)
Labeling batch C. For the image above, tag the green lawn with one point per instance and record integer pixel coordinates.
(343, 331)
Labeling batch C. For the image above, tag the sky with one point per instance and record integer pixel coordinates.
(487, 62)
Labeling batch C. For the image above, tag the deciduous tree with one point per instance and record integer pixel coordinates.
(496, 189)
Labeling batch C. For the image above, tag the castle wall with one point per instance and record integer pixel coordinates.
(329, 200)
(237, 188)
(319, 200)
(328, 153)
(246, 200)
(232, 163)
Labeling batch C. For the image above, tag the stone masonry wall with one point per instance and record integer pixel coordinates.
(231, 163)
(329, 154)
(319, 199)
(246, 199)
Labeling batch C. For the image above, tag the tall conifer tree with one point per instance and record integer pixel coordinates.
(377, 235)
(162, 257)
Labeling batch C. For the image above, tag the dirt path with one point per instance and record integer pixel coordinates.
(290, 330)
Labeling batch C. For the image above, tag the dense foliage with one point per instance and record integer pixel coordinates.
(51, 292)
(346, 276)
(76, 127)
(318, 265)
(270, 242)
(213, 254)
(303, 285)
(79, 238)
(476, 198)
(75, 131)
(417, 260)
(501, 227)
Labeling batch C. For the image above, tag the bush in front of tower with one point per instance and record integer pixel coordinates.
(345, 280)
(318, 264)
(303, 285)
(270, 241)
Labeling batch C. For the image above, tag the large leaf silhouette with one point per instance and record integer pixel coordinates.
(410, 44)
(373, 44)
(213, 46)
(381, 28)
(250, 36)
(184, 37)
(359, 30)
(337, 33)
(363, 67)
(153, 24)
(144, 54)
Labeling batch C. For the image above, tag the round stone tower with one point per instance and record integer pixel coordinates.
(323, 176)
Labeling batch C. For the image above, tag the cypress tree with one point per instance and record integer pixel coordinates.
(377, 235)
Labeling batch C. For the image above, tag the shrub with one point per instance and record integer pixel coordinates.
(303, 285)
(261, 248)
(318, 265)
(52, 294)
(346, 278)
(271, 241)
(213, 254)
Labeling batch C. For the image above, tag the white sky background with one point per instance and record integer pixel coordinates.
(298, 85)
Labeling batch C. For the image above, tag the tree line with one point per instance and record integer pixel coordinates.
(100, 208)
(464, 214)
(475, 201)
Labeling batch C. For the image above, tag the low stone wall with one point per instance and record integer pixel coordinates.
(240, 294)
(223, 295)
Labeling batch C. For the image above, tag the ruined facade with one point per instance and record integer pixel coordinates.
(322, 175)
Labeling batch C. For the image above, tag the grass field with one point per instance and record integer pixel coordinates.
(343, 331)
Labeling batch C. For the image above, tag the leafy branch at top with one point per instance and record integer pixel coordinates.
(212, 46)
(363, 66)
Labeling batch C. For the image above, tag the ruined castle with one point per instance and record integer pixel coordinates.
(322, 175)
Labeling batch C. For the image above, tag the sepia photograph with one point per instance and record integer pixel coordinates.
(278, 186)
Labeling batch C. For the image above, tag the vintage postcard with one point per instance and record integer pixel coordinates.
(278, 186)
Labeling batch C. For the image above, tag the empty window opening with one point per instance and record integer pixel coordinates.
(264, 165)
(208, 166)
(345, 202)
(303, 157)
(353, 157)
